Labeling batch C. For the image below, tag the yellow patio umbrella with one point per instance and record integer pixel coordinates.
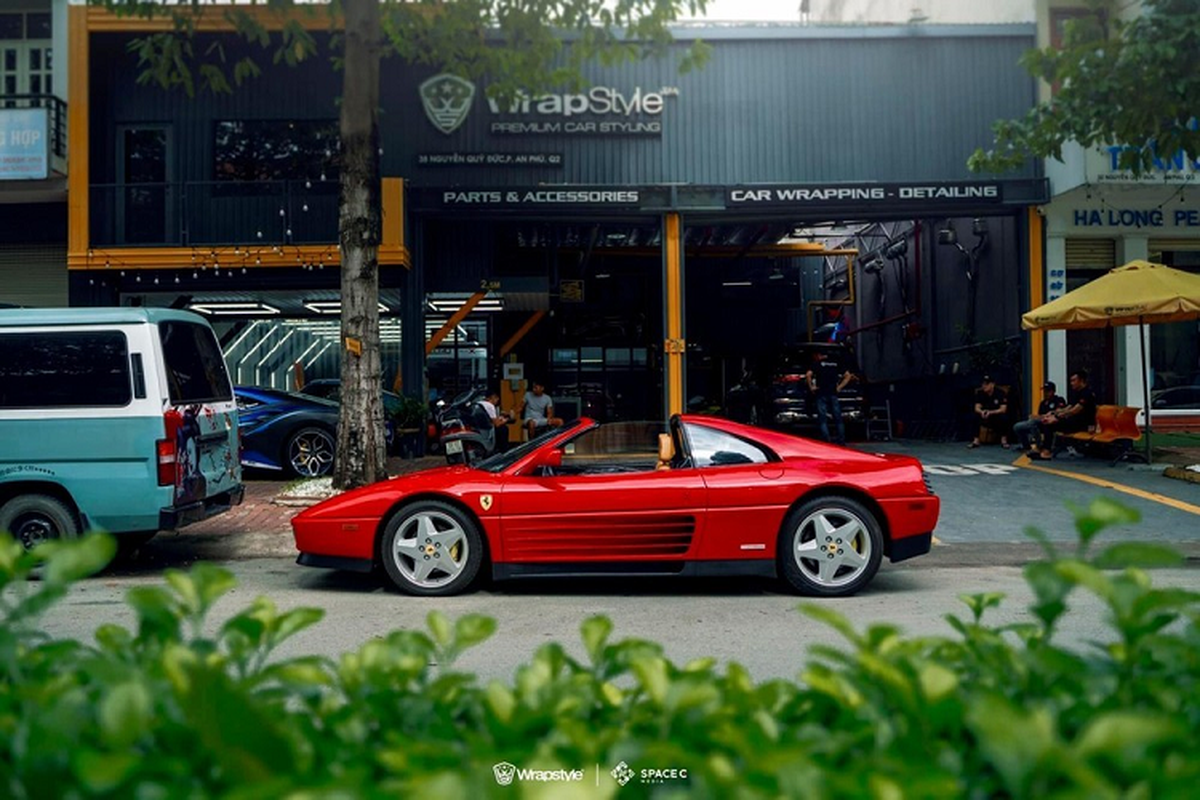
(1138, 293)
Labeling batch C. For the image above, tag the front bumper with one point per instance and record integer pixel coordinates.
(170, 519)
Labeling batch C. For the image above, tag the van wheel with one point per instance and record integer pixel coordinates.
(36, 518)
(309, 452)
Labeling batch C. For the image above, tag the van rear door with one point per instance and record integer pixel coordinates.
(202, 412)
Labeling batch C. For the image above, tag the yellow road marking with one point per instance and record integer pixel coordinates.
(1025, 463)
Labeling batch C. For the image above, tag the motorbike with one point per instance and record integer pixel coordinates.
(467, 433)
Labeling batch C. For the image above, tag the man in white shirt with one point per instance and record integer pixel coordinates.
(500, 419)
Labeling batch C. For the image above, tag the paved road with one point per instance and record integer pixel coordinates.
(738, 621)
(987, 502)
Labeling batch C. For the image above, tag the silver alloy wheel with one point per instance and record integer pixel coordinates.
(832, 547)
(310, 453)
(431, 549)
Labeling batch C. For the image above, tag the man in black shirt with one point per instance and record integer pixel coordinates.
(825, 380)
(991, 406)
(1079, 415)
(1029, 431)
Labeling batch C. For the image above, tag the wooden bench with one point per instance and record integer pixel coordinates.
(1116, 427)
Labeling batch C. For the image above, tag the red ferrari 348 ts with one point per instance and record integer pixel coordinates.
(699, 496)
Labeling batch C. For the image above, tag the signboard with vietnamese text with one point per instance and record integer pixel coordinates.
(24, 144)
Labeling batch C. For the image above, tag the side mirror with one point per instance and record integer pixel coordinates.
(549, 458)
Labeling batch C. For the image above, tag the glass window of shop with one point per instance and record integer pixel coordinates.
(1175, 346)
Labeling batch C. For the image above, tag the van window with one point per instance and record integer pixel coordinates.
(69, 369)
(195, 367)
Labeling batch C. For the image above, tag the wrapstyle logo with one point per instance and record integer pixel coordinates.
(447, 100)
(504, 772)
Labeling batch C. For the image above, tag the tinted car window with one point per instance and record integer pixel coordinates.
(195, 367)
(712, 448)
(68, 369)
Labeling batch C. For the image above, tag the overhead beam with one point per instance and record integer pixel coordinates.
(455, 318)
(520, 334)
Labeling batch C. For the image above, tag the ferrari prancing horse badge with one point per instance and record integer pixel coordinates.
(485, 500)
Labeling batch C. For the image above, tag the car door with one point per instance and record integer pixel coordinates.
(747, 496)
(604, 512)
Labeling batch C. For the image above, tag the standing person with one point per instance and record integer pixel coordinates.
(537, 410)
(1029, 431)
(991, 407)
(500, 419)
(825, 379)
(1078, 415)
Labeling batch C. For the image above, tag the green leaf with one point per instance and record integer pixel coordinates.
(101, 773)
(596, 631)
(1125, 735)
(1141, 554)
(440, 628)
(833, 619)
(125, 714)
(1013, 740)
(472, 629)
(69, 560)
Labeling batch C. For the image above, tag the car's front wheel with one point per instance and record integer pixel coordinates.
(830, 547)
(431, 548)
(309, 452)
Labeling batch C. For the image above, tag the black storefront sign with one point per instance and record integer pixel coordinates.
(489, 159)
(860, 195)
(540, 197)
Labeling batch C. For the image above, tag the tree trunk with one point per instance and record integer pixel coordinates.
(361, 457)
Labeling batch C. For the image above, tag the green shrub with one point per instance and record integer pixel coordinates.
(172, 709)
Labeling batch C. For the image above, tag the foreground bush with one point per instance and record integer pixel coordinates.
(169, 711)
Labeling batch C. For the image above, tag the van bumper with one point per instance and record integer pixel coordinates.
(176, 517)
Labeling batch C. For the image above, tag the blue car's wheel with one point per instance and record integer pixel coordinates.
(309, 452)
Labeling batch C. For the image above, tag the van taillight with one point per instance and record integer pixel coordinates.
(167, 451)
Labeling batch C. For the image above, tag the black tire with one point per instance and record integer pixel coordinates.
(830, 547)
(309, 452)
(36, 518)
(417, 567)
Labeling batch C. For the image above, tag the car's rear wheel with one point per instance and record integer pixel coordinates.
(309, 452)
(830, 547)
(36, 518)
(431, 548)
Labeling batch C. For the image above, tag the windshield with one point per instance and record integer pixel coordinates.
(498, 462)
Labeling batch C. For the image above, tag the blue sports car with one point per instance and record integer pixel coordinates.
(286, 431)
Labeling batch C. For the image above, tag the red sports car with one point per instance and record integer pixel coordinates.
(699, 496)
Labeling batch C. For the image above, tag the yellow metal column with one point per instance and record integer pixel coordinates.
(1037, 296)
(77, 132)
(674, 346)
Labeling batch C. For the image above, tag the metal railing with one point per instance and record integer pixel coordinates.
(56, 110)
(213, 213)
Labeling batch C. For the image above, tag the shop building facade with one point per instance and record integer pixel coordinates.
(637, 246)
(33, 152)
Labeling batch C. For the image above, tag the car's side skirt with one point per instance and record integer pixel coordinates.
(759, 568)
(335, 562)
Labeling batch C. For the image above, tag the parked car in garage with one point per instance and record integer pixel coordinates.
(792, 405)
(286, 431)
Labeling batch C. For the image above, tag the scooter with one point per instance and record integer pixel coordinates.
(467, 433)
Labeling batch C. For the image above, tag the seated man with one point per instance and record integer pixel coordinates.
(500, 419)
(1079, 415)
(1029, 431)
(991, 407)
(537, 410)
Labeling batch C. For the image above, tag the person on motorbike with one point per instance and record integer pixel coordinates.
(500, 419)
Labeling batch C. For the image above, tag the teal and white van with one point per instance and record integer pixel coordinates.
(115, 419)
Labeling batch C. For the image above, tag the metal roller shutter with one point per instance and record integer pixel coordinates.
(1159, 246)
(33, 275)
(1091, 253)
